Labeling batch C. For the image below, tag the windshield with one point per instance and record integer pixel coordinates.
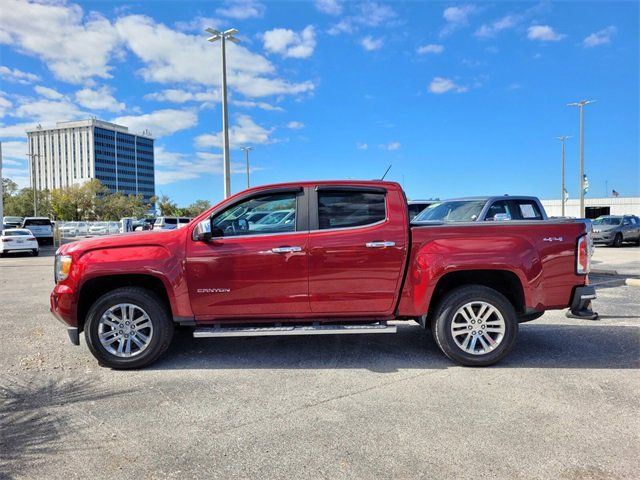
(607, 221)
(13, 219)
(453, 211)
(38, 222)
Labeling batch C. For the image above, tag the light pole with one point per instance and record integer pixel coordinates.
(246, 151)
(223, 37)
(33, 181)
(581, 105)
(1, 187)
(562, 139)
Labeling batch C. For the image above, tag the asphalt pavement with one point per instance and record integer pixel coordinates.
(563, 405)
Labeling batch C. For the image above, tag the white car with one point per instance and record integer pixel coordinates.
(104, 228)
(40, 227)
(170, 223)
(74, 229)
(18, 240)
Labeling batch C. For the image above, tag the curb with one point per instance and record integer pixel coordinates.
(603, 271)
(632, 282)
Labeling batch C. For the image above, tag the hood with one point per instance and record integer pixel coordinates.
(604, 228)
(148, 237)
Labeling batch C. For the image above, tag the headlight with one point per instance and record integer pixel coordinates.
(62, 267)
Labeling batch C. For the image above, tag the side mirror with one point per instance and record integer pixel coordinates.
(501, 217)
(202, 232)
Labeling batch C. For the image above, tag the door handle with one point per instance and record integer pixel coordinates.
(286, 249)
(380, 244)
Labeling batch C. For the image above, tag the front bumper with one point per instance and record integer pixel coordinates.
(581, 303)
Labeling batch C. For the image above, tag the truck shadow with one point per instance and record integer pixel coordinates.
(34, 424)
(539, 346)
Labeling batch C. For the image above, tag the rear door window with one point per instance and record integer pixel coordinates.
(527, 210)
(344, 209)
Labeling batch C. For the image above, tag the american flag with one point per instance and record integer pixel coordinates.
(614, 193)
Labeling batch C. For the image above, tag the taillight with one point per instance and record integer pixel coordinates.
(583, 261)
(31, 238)
(7, 239)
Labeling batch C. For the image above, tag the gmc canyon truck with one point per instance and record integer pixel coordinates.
(342, 259)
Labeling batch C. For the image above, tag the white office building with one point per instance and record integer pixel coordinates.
(75, 152)
(594, 207)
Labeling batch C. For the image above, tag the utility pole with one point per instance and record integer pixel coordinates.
(581, 104)
(32, 167)
(562, 190)
(223, 37)
(246, 151)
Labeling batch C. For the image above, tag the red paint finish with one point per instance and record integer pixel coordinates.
(334, 275)
(348, 278)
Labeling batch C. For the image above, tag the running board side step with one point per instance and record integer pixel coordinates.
(315, 329)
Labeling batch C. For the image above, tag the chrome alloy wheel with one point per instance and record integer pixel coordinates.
(477, 328)
(125, 330)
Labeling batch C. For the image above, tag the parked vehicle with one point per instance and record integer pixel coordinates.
(170, 223)
(40, 227)
(417, 206)
(480, 209)
(279, 219)
(18, 240)
(350, 262)
(74, 229)
(12, 222)
(104, 228)
(613, 230)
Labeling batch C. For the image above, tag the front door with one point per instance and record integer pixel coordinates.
(253, 268)
(357, 251)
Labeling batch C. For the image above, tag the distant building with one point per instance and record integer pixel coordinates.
(75, 152)
(594, 207)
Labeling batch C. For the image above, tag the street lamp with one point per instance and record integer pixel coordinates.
(246, 151)
(581, 105)
(32, 164)
(223, 37)
(562, 139)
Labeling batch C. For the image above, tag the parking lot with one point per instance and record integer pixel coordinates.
(563, 405)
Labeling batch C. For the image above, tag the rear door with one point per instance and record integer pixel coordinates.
(357, 250)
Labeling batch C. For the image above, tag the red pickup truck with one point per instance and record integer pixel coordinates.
(329, 257)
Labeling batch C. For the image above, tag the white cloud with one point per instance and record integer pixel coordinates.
(442, 85)
(14, 150)
(99, 99)
(391, 146)
(362, 146)
(16, 130)
(260, 105)
(17, 76)
(177, 95)
(5, 105)
(176, 57)
(330, 7)
(48, 111)
(601, 37)
(241, 9)
(73, 47)
(430, 48)
(47, 92)
(543, 33)
(244, 132)
(367, 14)
(492, 29)
(288, 43)
(369, 43)
(295, 125)
(173, 167)
(160, 122)
(457, 17)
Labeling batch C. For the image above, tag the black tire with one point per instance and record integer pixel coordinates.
(617, 240)
(446, 311)
(35, 252)
(158, 314)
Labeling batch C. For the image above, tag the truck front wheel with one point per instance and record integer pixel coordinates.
(127, 328)
(475, 325)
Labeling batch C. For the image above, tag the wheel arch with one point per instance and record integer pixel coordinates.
(505, 282)
(95, 287)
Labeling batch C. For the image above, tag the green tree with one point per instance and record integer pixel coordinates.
(79, 202)
(168, 207)
(196, 208)
(118, 205)
(20, 203)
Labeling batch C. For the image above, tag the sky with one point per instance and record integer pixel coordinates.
(461, 98)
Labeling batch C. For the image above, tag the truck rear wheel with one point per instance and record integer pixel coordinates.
(475, 325)
(127, 328)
